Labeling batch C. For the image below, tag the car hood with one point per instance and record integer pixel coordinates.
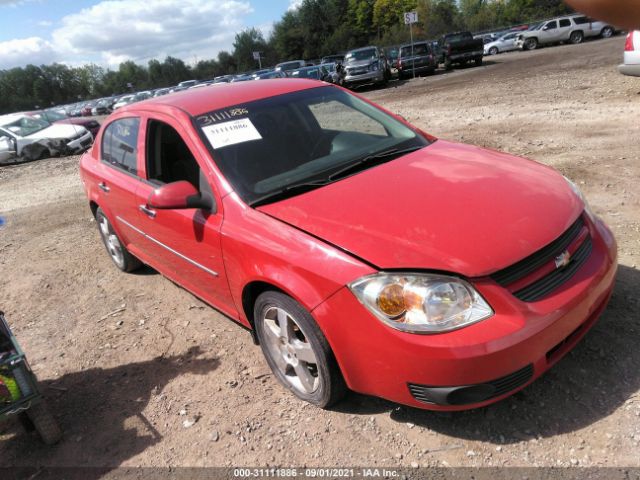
(448, 207)
(58, 130)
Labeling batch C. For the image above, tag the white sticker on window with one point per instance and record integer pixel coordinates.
(230, 133)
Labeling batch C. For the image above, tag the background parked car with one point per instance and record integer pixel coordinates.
(505, 43)
(332, 59)
(269, 75)
(459, 48)
(631, 65)
(58, 116)
(418, 58)
(102, 107)
(572, 29)
(126, 100)
(290, 65)
(32, 138)
(366, 65)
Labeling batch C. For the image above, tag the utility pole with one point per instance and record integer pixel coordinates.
(409, 19)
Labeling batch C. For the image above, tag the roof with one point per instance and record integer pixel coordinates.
(221, 95)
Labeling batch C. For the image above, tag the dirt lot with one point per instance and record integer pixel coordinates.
(126, 387)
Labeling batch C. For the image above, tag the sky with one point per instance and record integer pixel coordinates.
(107, 32)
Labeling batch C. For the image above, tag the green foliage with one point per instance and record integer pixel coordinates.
(315, 29)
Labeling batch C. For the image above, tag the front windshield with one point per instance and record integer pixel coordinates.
(25, 126)
(265, 146)
(358, 55)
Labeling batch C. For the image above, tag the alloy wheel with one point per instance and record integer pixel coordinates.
(111, 241)
(291, 351)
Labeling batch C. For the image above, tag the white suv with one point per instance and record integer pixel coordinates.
(573, 29)
(631, 65)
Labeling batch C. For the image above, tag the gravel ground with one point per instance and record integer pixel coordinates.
(140, 373)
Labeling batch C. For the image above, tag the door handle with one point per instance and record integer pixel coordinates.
(103, 186)
(147, 211)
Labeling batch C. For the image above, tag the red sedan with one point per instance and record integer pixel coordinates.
(359, 251)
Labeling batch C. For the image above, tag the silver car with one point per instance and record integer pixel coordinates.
(366, 65)
(29, 138)
(505, 43)
(572, 29)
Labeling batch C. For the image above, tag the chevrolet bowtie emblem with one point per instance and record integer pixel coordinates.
(563, 259)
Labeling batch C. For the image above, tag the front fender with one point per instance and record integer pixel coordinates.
(259, 248)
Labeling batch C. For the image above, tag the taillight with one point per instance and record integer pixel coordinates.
(449, 49)
(628, 44)
(399, 63)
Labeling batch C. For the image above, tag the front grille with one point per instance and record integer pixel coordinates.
(542, 287)
(491, 389)
(547, 284)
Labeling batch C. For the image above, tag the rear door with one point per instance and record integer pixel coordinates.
(508, 42)
(118, 174)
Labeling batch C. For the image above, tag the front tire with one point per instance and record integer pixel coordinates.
(493, 51)
(296, 350)
(530, 44)
(115, 248)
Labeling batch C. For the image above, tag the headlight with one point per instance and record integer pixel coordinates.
(374, 66)
(578, 192)
(421, 303)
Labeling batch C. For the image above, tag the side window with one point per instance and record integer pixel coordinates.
(565, 22)
(551, 25)
(119, 144)
(582, 20)
(168, 157)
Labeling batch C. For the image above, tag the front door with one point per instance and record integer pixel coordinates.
(185, 243)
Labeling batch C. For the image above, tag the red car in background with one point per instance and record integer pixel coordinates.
(56, 116)
(360, 252)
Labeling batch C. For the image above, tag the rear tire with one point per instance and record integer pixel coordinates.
(448, 64)
(607, 32)
(44, 423)
(576, 37)
(478, 62)
(296, 350)
(115, 248)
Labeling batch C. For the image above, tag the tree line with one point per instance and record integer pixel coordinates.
(315, 29)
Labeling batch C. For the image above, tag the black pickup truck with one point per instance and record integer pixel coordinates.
(460, 48)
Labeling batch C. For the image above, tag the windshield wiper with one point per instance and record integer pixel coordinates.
(302, 187)
(289, 191)
(365, 162)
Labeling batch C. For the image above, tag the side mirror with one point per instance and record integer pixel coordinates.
(179, 196)
(546, 27)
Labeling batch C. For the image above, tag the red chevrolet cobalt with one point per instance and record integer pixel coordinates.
(361, 252)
